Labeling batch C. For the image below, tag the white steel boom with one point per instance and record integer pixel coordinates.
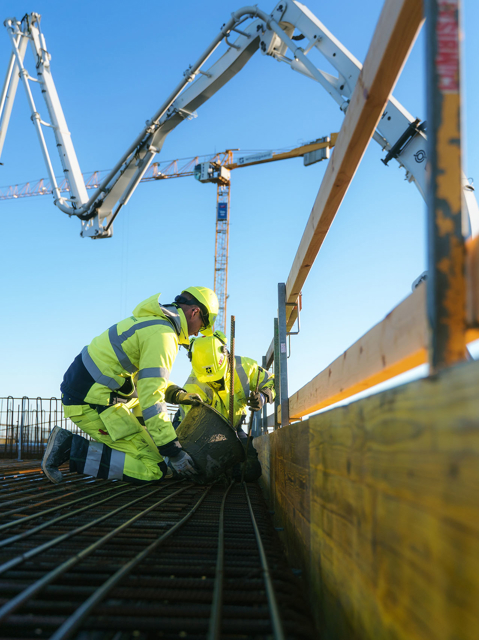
(276, 34)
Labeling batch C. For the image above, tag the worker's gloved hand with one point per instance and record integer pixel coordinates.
(177, 395)
(183, 464)
(182, 397)
(255, 400)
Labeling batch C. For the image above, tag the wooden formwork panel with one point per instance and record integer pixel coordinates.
(379, 501)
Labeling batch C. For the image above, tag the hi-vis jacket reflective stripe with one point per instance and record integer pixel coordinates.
(143, 346)
(246, 372)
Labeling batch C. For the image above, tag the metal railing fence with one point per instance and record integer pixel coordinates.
(26, 423)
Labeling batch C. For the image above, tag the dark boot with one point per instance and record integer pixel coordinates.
(57, 452)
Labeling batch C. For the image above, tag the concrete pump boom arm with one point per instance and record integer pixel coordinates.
(398, 133)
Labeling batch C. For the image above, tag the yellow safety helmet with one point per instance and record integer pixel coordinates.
(209, 358)
(208, 303)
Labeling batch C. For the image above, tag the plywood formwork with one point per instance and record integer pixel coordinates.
(379, 506)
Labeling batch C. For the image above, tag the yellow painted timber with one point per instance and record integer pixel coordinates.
(472, 280)
(395, 345)
(397, 28)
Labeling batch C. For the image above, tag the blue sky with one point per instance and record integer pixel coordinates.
(113, 65)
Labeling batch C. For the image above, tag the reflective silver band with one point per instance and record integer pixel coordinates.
(206, 389)
(267, 376)
(154, 372)
(172, 314)
(117, 341)
(93, 459)
(202, 385)
(242, 376)
(95, 372)
(117, 464)
(158, 407)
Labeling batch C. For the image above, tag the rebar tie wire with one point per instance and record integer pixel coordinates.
(277, 625)
(75, 620)
(214, 629)
(34, 588)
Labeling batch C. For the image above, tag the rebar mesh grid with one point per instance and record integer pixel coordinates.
(105, 559)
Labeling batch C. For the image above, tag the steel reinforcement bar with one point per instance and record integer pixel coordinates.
(199, 563)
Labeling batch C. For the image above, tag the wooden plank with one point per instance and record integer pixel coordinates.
(393, 346)
(286, 460)
(397, 28)
(393, 515)
(394, 511)
(472, 308)
(472, 277)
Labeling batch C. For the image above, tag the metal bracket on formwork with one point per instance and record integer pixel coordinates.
(283, 355)
(277, 373)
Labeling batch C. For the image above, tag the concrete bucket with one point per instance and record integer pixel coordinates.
(210, 441)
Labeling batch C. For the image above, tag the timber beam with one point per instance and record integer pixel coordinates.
(395, 33)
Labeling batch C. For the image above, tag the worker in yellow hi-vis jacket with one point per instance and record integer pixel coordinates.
(210, 380)
(124, 371)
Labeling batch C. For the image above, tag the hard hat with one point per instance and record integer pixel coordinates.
(209, 358)
(208, 303)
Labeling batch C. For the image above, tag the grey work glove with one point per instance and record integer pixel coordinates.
(183, 464)
(255, 400)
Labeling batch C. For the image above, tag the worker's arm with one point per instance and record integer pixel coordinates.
(158, 349)
(266, 384)
(194, 387)
(265, 393)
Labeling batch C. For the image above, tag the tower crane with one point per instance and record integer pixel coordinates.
(215, 169)
(219, 174)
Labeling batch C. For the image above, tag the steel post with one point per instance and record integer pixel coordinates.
(232, 372)
(277, 369)
(283, 355)
(446, 284)
(264, 418)
(20, 430)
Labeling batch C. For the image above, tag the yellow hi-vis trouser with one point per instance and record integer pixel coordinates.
(118, 428)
